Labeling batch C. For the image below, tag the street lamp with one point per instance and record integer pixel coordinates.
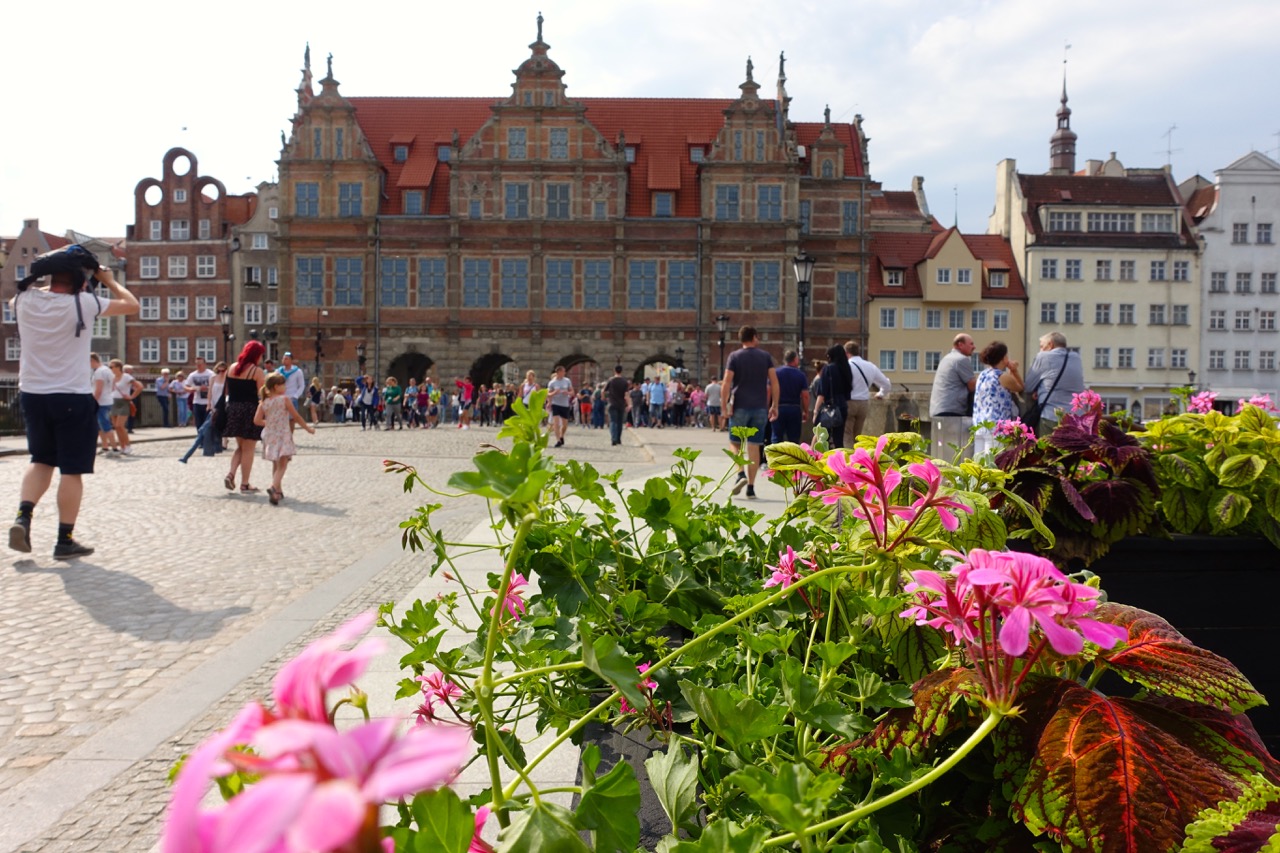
(680, 357)
(804, 280)
(360, 350)
(319, 339)
(722, 325)
(1191, 379)
(225, 315)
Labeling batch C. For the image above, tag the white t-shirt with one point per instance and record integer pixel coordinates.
(108, 379)
(123, 388)
(199, 380)
(53, 358)
(295, 382)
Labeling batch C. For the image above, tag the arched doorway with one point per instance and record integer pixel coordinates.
(406, 366)
(660, 366)
(487, 369)
(582, 370)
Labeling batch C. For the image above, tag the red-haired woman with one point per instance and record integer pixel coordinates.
(243, 388)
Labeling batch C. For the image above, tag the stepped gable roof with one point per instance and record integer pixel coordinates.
(903, 251)
(807, 133)
(1201, 202)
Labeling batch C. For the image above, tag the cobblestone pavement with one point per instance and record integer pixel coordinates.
(183, 571)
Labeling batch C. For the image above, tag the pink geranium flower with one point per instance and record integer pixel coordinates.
(1262, 401)
(648, 685)
(929, 498)
(513, 603)
(300, 685)
(1013, 430)
(787, 571)
(1201, 403)
(478, 844)
(436, 687)
(1086, 402)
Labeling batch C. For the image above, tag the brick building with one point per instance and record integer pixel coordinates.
(539, 229)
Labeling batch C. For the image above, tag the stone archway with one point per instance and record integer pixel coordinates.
(487, 369)
(582, 369)
(661, 364)
(409, 365)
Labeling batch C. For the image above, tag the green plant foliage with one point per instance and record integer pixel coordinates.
(609, 804)
(444, 823)
(674, 777)
(1247, 824)
(542, 827)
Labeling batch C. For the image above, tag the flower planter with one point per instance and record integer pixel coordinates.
(634, 748)
(1203, 586)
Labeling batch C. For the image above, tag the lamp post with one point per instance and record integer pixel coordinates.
(804, 280)
(1191, 379)
(225, 315)
(680, 362)
(360, 350)
(319, 339)
(722, 325)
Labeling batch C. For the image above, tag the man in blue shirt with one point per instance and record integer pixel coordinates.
(657, 401)
(793, 399)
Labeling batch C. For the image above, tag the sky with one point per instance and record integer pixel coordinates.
(946, 89)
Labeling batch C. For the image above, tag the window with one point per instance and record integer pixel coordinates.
(1000, 319)
(828, 170)
(1158, 270)
(317, 143)
(1178, 358)
(1267, 282)
(1102, 313)
(1263, 232)
(1243, 321)
(769, 203)
(943, 275)
(1182, 315)
(1155, 315)
(177, 308)
(766, 287)
(728, 286)
(1111, 221)
(252, 312)
(149, 350)
(888, 359)
(933, 318)
(893, 278)
(444, 153)
(348, 281)
(517, 201)
(149, 308)
(260, 241)
(400, 153)
(1217, 320)
(431, 282)
(515, 283)
(727, 203)
(273, 212)
(1242, 360)
(349, 199)
(395, 282)
(932, 360)
(1158, 222)
(849, 223)
(309, 281)
(1126, 314)
(1071, 313)
(306, 199)
(1182, 270)
(600, 210)
(1240, 232)
(1128, 270)
(177, 266)
(557, 201)
(1266, 321)
(1267, 359)
(273, 313)
(206, 266)
(1102, 357)
(1217, 282)
(642, 284)
(1072, 269)
(737, 145)
(476, 285)
(955, 318)
(559, 143)
(1217, 359)
(203, 229)
(474, 208)
(696, 154)
(682, 285)
(157, 229)
(207, 348)
(1048, 312)
(596, 284)
(339, 143)
(273, 276)
(180, 229)
(806, 216)
(760, 146)
(1124, 357)
(559, 284)
(664, 204)
(1102, 270)
(149, 266)
(888, 318)
(177, 350)
(848, 293)
(1155, 358)
(206, 308)
(1064, 221)
(910, 318)
(517, 143)
(413, 203)
(999, 280)
(964, 275)
(978, 319)
(1244, 282)
(1048, 268)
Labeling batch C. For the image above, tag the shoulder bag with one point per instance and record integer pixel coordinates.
(1031, 417)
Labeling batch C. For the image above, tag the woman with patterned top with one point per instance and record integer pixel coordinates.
(993, 396)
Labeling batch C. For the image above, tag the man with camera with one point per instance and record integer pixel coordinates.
(58, 404)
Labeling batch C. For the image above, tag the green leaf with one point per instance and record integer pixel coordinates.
(914, 651)
(732, 715)
(609, 808)
(1183, 508)
(1271, 500)
(544, 827)
(1031, 514)
(984, 528)
(673, 775)
(808, 703)
(835, 654)
(725, 836)
(1249, 823)
(1227, 510)
(791, 794)
(1241, 470)
(787, 456)
(445, 825)
(1181, 470)
(605, 658)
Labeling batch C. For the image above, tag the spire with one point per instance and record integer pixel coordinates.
(1062, 145)
(782, 67)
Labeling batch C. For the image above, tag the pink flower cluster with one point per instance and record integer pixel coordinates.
(1202, 402)
(1262, 401)
(994, 603)
(787, 572)
(319, 788)
(513, 602)
(1013, 430)
(1086, 402)
(436, 688)
(648, 685)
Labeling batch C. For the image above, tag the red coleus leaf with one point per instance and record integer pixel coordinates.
(1164, 661)
(1073, 497)
(1248, 754)
(935, 696)
(1110, 775)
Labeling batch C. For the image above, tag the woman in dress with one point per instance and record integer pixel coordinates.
(276, 416)
(993, 396)
(837, 384)
(244, 386)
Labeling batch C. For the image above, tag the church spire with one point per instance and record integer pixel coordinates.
(1062, 145)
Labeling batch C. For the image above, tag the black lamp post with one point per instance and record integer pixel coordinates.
(360, 350)
(319, 339)
(804, 280)
(680, 358)
(226, 315)
(722, 325)
(1191, 379)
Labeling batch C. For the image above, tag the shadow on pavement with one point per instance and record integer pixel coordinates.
(128, 605)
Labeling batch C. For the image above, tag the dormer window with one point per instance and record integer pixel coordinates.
(400, 153)
(828, 169)
(663, 204)
(998, 280)
(696, 154)
(631, 153)
(444, 153)
(893, 278)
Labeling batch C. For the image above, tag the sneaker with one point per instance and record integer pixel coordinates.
(739, 484)
(128, 451)
(560, 443)
(751, 493)
(20, 537)
(69, 549)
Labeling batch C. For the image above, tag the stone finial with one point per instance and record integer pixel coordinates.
(329, 68)
(539, 26)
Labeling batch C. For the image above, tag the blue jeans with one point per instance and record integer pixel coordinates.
(757, 418)
(182, 411)
(655, 414)
(207, 438)
(163, 400)
(787, 425)
(616, 416)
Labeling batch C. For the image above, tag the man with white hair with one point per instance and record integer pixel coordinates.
(1056, 375)
(162, 396)
(295, 383)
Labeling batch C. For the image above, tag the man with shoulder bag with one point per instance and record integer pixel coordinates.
(1056, 375)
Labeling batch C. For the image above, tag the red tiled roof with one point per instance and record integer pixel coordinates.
(807, 133)
(1133, 190)
(239, 209)
(1202, 202)
(896, 204)
(54, 241)
(896, 250)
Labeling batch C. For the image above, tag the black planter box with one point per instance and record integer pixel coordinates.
(1220, 592)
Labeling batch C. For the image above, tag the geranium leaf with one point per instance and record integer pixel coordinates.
(935, 696)
(1183, 508)
(792, 794)
(674, 777)
(444, 823)
(603, 656)
(1164, 661)
(544, 826)
(1240, 470)
(1227, 510)
(732, 715)
(1249, 823)
(725, 836)
(1103, 778)
(609, 807)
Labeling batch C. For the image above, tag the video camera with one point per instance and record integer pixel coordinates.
(69, 259)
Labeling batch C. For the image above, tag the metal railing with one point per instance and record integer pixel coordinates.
(11, 422)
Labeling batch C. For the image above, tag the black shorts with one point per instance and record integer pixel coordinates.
(62, 430)
(565, 412)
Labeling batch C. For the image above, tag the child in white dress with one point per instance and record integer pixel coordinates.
(275, 414)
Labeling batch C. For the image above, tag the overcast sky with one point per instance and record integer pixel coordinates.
(946, 89)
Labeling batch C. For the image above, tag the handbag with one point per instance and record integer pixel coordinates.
(830, 418)
(1031, 417)
(220, 415)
